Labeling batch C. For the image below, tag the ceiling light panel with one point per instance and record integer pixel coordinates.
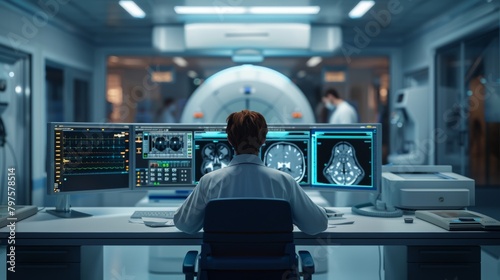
(132, 8)
(296, 10)
(314, 61)
(209, 10)
(234, 10)
(361, 8)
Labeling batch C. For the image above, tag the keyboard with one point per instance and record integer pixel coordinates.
(153, 214)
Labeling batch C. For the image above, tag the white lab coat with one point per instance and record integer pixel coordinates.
(247, 176)
(344, 114)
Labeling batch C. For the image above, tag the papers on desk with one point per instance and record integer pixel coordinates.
(153, 222)
(339, 223)
(458, 219)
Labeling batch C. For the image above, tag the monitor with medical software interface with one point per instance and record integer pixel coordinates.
(95, 157)
(346, 158)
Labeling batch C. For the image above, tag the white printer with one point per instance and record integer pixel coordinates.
(423, 187)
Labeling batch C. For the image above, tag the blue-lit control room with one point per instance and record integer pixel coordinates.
(383, 116)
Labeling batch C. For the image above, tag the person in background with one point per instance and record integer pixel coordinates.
(246, 176)
(167, 114)
(343, 112)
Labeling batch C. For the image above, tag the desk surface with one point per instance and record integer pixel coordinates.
(110, 226)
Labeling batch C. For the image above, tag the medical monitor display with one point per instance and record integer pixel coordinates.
(346, 158)
(163, 156)
(212, 151)
(287, 150)
(88, 157)
(99, 157)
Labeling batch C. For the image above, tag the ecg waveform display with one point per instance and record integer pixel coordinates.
(84, 152)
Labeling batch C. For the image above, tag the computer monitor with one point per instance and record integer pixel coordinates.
(96, 157)
(163, 156)
(346, 158)
(86, 157)
(176, 156)
(287, 149)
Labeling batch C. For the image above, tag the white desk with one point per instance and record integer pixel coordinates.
(110, 226)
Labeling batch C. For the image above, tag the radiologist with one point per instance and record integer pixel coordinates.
(246, 176)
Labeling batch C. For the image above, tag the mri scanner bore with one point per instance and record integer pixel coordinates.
(250, 87)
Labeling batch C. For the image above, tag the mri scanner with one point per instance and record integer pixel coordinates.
(249, 87)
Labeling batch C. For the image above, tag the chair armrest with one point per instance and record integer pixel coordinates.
(307, 264)
(189, 264)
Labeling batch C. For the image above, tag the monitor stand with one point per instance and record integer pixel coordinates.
(63, 209)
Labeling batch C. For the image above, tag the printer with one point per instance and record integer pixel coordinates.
(425, 187)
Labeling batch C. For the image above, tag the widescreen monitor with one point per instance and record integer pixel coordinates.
(96, 157)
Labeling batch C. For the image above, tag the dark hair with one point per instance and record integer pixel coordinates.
(332, 91)
(246, 130)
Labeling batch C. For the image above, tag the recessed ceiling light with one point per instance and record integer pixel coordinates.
(313, 61)
(361, 8)
(181, 62)
(132, 8)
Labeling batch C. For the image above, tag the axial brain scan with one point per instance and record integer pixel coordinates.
(343, 167)
(286, 157)
(215, 156)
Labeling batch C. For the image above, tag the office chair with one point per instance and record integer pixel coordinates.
(248, 239)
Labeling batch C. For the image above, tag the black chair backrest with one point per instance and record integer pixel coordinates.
(251, 227)
(248, 215)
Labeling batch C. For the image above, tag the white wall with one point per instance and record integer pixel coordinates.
(35, 33)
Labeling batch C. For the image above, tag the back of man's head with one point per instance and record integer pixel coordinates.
(246, 131)
(333, 92)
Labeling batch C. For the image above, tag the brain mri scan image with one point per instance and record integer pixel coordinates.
(286, 157)
(215, 156)
(343, 167)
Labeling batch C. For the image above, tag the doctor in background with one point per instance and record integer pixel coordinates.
(343, 112)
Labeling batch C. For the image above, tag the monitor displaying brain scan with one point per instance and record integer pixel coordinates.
(94, 157)
(345, 158)
(212, 151)
(288, 151)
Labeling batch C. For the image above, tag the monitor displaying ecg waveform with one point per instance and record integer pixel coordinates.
(100, 152)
